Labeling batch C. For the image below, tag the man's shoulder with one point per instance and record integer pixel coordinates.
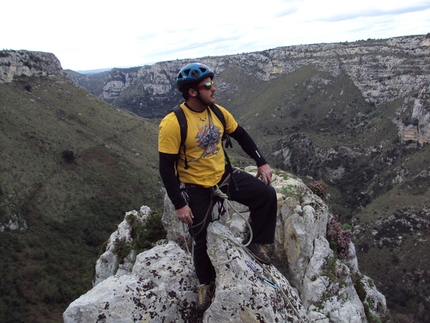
(169, 120)
(219, 107)
(171, 115)
(225, 113)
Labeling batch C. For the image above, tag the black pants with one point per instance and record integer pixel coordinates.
(252, 192)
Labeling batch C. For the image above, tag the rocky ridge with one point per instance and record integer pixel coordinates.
(383, 70)
(159, 285)
(18, 63)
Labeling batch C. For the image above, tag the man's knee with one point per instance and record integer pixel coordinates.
(271, 192)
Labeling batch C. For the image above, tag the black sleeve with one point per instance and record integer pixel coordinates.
(248, 145)
(167, 163)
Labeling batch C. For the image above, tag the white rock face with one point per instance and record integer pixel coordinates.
(108, 264)
(160, 285)
(383, 70)
(26, 63)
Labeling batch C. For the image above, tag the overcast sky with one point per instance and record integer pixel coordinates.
(95, 34)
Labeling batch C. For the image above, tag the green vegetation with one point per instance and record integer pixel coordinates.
(292, 191)
(146, 233)
(359, 286)
(72, 165)
(330, 268)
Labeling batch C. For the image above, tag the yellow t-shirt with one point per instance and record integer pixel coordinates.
(204, 148)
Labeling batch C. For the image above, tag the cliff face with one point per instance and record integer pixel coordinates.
(27, 63)
(382, 70)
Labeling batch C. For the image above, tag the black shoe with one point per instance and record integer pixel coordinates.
(206, 293)
(259, 253)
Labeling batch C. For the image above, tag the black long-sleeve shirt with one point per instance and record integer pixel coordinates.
(167, 165)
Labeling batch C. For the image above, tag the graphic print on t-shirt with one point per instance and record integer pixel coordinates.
(207, 138)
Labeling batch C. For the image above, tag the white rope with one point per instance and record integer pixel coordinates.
(217, 191)
(184, 227)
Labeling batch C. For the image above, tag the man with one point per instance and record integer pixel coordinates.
(201, 166)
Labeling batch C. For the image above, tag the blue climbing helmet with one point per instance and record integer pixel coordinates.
(192, 73)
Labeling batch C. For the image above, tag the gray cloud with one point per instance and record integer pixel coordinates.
(372, 12)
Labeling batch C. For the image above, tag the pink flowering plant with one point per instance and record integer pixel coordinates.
(339, 238)
(319, 188)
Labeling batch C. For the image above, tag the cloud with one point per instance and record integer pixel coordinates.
(104, 34)
(375, 12)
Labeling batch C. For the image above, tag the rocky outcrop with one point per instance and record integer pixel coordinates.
(419, 130)
(109, 263)
(159, 285)
(16, 63)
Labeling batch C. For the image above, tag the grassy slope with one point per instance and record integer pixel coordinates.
(332, 114)
(70, 207)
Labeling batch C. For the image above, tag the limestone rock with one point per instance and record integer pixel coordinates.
(27, 63)
(240, 294)
(160, 284)
(161, 288)
(108, 264)
(383, 70)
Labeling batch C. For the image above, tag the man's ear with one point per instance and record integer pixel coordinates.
(192, 92)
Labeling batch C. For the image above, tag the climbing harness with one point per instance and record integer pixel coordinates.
(224, 198)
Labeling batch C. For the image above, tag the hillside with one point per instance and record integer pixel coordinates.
(355, 115)
(379, 182)
(71, 165)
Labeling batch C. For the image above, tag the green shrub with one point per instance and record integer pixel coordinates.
(292, 191)
(147, 232)
(144, 234)
(122, 249)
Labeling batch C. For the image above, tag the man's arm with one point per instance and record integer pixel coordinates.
(167, 171)
(250, 147)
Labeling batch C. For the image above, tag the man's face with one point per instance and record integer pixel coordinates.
(207, 91)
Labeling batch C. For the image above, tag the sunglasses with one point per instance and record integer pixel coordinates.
(206, 86)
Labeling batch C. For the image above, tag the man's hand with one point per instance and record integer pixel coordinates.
(185, 215)
(265, 172)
